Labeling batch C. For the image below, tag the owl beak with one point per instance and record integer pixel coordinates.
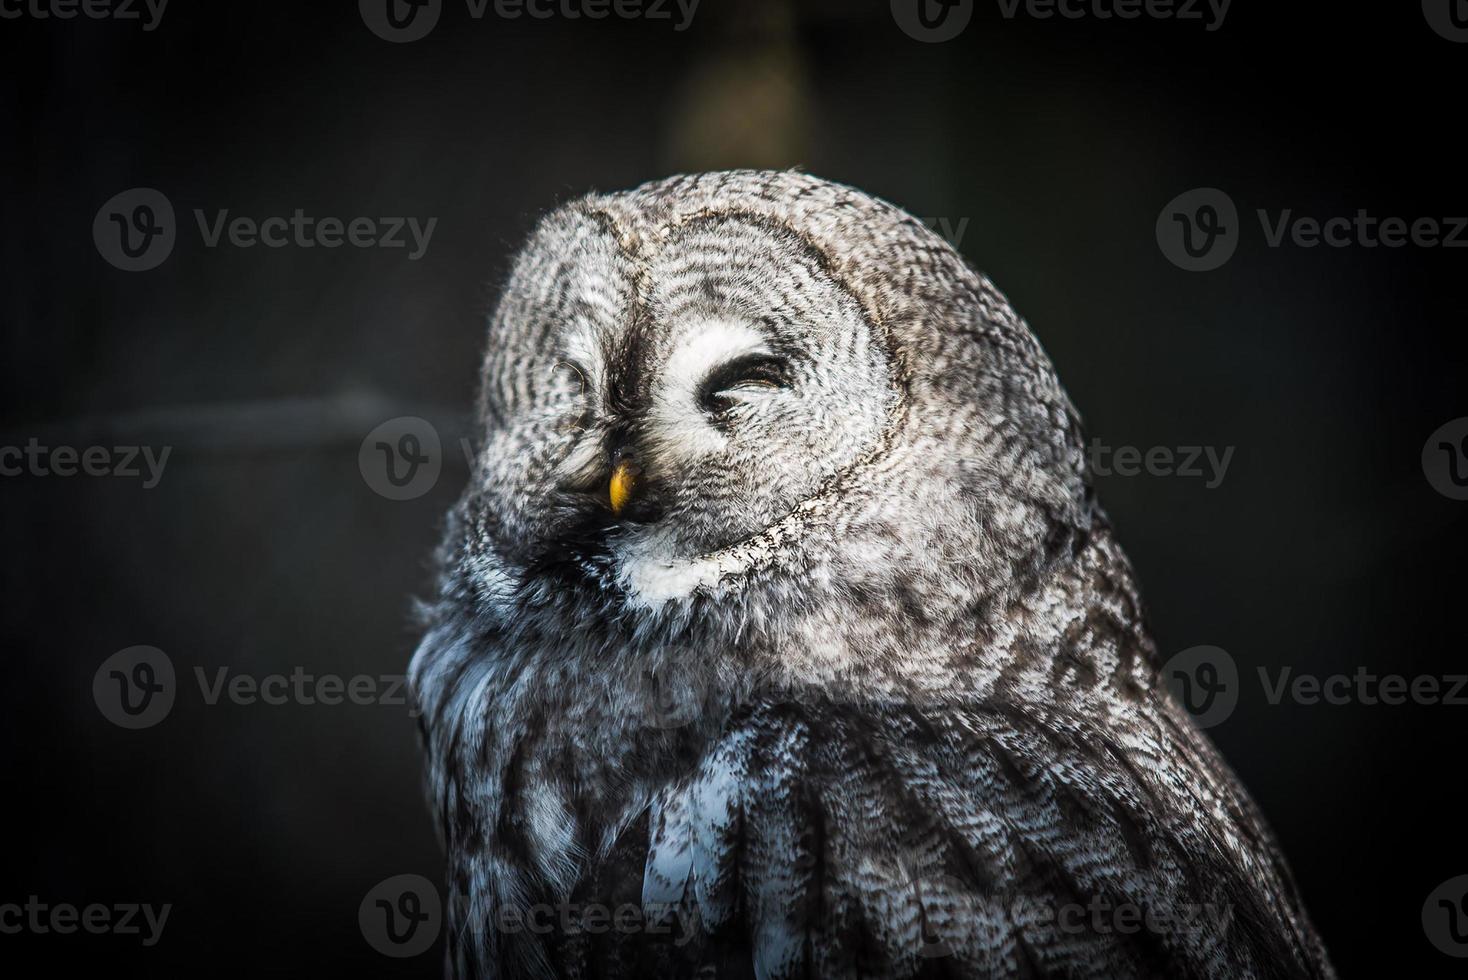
(624, 481)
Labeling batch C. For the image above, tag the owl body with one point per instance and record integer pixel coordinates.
(779, 632)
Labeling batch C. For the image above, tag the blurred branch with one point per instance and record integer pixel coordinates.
(745, 103)
(246, 427)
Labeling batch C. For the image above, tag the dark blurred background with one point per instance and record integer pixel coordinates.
(1045, 148)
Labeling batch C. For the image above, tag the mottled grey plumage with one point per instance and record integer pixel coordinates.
(859, 685)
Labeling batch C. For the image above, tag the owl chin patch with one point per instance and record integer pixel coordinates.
(650, 582)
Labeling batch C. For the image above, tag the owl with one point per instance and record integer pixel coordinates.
(779, 632)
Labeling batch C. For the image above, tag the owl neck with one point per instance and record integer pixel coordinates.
(927, 625)
(558, 728)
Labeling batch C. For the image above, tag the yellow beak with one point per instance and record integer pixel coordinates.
(624, 480)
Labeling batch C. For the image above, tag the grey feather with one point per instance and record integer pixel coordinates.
(860, 683)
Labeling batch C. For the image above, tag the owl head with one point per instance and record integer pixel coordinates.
(733, 395)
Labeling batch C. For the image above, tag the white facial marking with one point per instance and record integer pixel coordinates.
(676, 419)
(703, 348)
(651, 579)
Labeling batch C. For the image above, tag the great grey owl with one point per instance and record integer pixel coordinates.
(779, 633)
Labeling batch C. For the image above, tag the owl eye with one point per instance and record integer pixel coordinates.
(750, 373)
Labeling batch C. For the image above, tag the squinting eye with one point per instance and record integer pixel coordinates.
(752, 372)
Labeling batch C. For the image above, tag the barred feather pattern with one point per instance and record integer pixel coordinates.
(869, 694)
